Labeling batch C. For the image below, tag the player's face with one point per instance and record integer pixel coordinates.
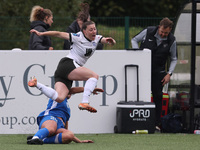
(49, 20)
(90, 32)
(164, 32)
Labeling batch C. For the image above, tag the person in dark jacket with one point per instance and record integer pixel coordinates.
(76, 25)
(162, 44)
(41, 19)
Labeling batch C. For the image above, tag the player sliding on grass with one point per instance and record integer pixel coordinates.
(71, 68)
(53, 122)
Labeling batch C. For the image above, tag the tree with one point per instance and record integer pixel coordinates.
(15, 25)
(23, 8)
(135, 8)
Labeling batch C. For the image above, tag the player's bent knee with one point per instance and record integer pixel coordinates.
(60, 100)
(97, 77)
(94, 75)
(67, 137)
(52, 131)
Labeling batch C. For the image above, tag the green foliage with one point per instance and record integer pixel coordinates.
(16, 32)
(15, 25)
(135, 8)
(61, 8)
(118, 34)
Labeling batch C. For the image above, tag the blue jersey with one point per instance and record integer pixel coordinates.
(57, 110)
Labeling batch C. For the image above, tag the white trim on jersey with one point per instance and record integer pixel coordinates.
(53, 106)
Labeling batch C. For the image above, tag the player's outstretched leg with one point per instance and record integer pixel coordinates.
(37, 139)
(32, 82)
(49, 92)
(86, 106)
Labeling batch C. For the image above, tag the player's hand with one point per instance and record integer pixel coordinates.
(50, 48)
(69, 96)
(110, 40)
(87, 141)
(35, 31)
(166, 79)
(97, 90)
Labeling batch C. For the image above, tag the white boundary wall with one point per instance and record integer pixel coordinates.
(20, 105)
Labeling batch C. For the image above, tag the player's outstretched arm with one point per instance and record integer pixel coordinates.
(76, 140)
(75, 90)
(63, 35)
(97, 90)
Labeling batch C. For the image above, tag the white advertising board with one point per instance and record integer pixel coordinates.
(20, 104)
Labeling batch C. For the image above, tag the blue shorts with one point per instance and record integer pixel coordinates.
(45, 118)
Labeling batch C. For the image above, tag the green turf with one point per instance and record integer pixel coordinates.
(110, 142)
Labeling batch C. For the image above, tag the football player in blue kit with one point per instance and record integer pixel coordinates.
(70, 68)
(53, 122)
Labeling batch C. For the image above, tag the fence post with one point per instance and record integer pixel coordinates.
(126, 32)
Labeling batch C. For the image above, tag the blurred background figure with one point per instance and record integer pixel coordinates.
(41, 20)
(76, 25)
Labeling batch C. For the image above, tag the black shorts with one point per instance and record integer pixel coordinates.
(65, 66)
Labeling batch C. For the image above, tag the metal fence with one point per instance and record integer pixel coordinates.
(14, 31)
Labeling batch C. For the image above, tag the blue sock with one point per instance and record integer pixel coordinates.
(42, 133)
(56, 139)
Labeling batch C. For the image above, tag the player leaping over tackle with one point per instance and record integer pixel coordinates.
(70, 68)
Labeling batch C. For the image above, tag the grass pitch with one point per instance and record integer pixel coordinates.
(110, 142)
